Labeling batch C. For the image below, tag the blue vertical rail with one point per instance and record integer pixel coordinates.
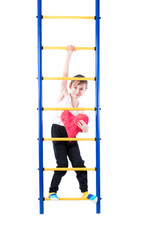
(39, 13)
(97, 94)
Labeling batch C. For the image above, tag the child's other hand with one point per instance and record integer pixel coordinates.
(81, 124)
(71, 48)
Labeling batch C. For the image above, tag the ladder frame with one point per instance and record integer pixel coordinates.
(97, 91)
(39, 38)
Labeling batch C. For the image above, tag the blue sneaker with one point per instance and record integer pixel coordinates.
(53, 196)
(91, 197)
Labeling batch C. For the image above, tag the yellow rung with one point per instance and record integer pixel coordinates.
(47, 199)
(68, 78)
(72, 109)
(68, 17)
(69, 139)
(69, 169)
(65, 48)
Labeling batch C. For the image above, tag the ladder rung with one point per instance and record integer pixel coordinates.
(69, 17)
(69, 169)
(65, 48)
(68, 78)
(47, 199)
(69, 139)
(72, 109)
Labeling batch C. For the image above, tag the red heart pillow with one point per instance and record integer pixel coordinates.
(70, 122)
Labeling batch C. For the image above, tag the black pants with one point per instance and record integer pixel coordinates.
(62, 150)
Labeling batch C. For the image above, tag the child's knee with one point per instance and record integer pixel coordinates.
(62, 173)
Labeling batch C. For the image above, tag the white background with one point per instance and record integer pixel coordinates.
(123, 131)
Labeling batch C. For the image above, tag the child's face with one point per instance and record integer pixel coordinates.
(77, 90)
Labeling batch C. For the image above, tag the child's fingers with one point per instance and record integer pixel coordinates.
(82, 122)
(71, 48)
(79, 125)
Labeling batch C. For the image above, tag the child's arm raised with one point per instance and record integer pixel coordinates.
(63, 90)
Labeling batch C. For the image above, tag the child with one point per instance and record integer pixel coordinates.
(62, 149)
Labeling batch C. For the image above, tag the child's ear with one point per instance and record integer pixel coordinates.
(70, 86)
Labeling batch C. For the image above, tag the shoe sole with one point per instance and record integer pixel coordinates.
(54, 199)
(95, 200)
